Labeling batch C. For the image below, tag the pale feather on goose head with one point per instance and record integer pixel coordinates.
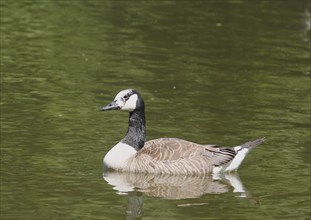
(126, 100)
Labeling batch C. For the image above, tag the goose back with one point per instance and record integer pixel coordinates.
(176, 156)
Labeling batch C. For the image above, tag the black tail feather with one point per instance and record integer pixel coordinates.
(252, 144)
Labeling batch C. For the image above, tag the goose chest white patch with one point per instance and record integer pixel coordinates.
(118, 156)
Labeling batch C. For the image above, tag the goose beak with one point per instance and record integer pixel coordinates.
(111, 106)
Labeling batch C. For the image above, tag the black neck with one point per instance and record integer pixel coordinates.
(136, 134)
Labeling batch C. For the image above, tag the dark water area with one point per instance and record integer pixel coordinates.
(218, 72)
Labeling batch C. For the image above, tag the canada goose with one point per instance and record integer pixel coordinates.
(166, 155)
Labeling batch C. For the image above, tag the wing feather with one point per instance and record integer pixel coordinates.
(173, 149)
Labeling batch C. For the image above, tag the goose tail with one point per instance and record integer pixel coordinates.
(252, 144)
(242, 151)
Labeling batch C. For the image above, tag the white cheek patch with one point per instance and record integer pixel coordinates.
(130, 104)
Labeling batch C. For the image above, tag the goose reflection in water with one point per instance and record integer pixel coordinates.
(175, 186)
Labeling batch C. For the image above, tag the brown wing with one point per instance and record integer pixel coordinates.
(171, 149)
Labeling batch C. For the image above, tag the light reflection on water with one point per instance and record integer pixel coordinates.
(136, 186)
(175, 186)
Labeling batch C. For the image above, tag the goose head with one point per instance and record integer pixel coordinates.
(126, 100)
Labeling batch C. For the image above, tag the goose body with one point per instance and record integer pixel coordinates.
(166, 155)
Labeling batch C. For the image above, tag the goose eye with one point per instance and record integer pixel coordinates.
(126, 96)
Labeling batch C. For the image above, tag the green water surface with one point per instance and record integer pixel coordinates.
(220, 72)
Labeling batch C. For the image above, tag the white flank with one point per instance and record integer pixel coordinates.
(233, 165)
(118, 156)
(237, 160)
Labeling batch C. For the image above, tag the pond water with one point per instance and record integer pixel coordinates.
(222, 72)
